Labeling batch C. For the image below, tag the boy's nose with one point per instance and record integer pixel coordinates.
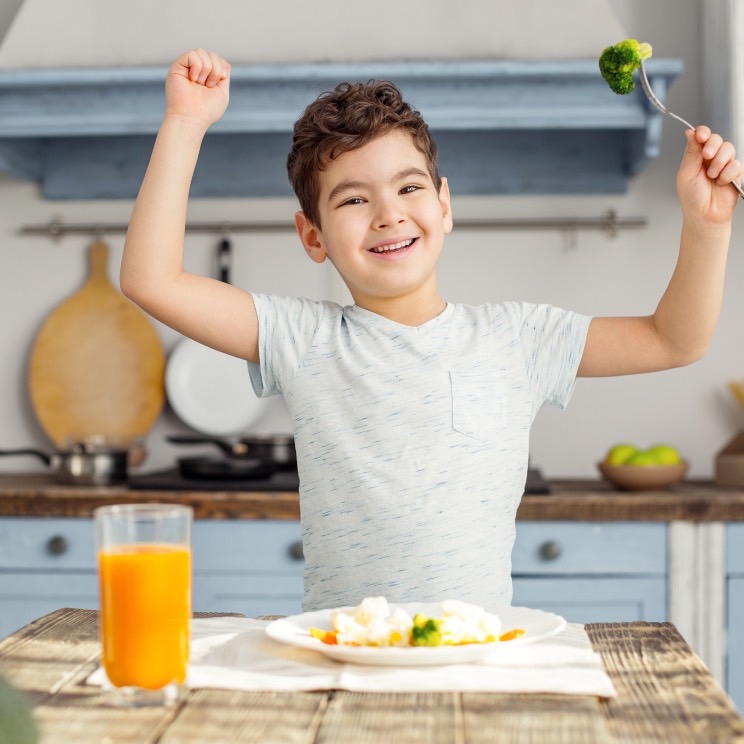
(388, 214)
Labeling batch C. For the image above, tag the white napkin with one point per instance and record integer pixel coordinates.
(236, 654)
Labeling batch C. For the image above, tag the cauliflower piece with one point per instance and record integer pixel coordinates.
(372, 624)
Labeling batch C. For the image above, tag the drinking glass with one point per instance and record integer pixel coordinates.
(144, 570)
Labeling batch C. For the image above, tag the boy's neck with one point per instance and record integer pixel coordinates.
(405, 310)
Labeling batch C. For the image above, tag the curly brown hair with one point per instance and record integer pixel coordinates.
(347, 118)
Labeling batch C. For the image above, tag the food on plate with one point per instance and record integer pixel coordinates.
(374, 623)
(618, 62)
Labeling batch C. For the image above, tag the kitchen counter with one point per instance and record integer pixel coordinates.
(35, 495)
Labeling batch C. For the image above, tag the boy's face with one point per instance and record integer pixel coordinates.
(383, 222)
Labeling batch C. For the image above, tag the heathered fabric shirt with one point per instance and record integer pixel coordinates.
(412, 443)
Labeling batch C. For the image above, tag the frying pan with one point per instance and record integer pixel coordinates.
(214, 468)
(208, 390)
(276, 449)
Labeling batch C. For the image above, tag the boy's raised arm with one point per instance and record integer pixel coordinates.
(682, 326)
(152, 274)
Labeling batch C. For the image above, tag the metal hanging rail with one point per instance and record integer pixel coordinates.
(609, 223)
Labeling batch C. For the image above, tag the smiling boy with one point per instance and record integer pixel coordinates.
(411, 414)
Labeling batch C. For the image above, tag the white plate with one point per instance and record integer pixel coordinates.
(210, 391)
(293, 630)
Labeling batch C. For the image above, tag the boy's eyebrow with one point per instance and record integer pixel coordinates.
(351, 185)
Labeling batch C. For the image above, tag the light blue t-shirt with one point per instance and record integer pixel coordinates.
(412, 442)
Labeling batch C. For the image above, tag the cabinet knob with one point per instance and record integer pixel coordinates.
(57, 545)
(550, 550)
(296, 551)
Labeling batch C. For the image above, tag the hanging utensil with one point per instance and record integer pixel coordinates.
(208, 390)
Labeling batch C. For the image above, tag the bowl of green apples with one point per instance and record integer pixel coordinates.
(632, 469)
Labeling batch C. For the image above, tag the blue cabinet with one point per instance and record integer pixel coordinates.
(586, 572)
(593, 572)
(253, 567)
(735, 613)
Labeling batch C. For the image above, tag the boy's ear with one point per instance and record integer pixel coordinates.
(310, 237)
(444, 200)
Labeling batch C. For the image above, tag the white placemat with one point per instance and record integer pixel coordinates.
(235, 654)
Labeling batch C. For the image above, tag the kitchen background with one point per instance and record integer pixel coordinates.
(589, 271)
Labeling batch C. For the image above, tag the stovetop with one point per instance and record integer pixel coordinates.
(282, 480)
(172, 480)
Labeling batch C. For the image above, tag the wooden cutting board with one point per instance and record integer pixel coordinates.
(97, 363)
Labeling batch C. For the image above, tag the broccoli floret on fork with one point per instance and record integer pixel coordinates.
(617, 64)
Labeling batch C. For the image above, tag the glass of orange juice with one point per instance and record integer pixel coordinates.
(144, 570)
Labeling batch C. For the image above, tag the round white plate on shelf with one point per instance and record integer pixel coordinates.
(211, 391)
(294, 630)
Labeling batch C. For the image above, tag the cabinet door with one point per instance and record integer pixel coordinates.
(251, 594)
(25, 596)
(595, 599)
(735, 613)
(735, 658)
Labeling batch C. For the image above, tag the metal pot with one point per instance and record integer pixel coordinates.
(81, 465)
(276, 449)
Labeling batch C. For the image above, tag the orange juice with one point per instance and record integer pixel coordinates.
(145, 612)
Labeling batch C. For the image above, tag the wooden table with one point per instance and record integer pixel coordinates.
(665, 694)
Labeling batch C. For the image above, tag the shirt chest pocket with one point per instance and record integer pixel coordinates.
(479, 402)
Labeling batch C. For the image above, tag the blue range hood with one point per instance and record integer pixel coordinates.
(502, 127)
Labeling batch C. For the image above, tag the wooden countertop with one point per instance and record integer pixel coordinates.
(570, 500)
(664, 694)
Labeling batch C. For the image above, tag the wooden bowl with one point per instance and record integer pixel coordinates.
(643, 477)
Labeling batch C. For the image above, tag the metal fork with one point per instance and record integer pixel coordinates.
(664, 110)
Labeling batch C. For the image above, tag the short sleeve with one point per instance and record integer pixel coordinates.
(287, 327)
(552, 342)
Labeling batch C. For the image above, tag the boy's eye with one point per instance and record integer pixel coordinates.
(410, 188)
(353, 200)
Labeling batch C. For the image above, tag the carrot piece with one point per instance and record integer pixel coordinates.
(326, 636)
(511, 634)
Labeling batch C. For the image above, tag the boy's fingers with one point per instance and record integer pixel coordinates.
(702, 133)
(720, 159)
(712, 146)
(731, 172)
(217, 72)
(205, 66)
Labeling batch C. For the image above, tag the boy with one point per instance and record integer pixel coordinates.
(411, 415)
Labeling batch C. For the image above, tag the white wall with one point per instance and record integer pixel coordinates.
(690, 407)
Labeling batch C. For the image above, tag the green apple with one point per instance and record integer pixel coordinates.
(641, 458)
(620, 453)
(665, 454)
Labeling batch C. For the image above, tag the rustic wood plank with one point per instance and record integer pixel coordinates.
(247, 718)
(49, 660)
(586, 500)
(371, 718)
(46, 654)
(532, 719)
(665, 692)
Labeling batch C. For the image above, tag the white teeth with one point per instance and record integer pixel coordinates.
(393, 246)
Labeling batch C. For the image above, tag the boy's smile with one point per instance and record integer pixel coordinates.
(382, 225)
